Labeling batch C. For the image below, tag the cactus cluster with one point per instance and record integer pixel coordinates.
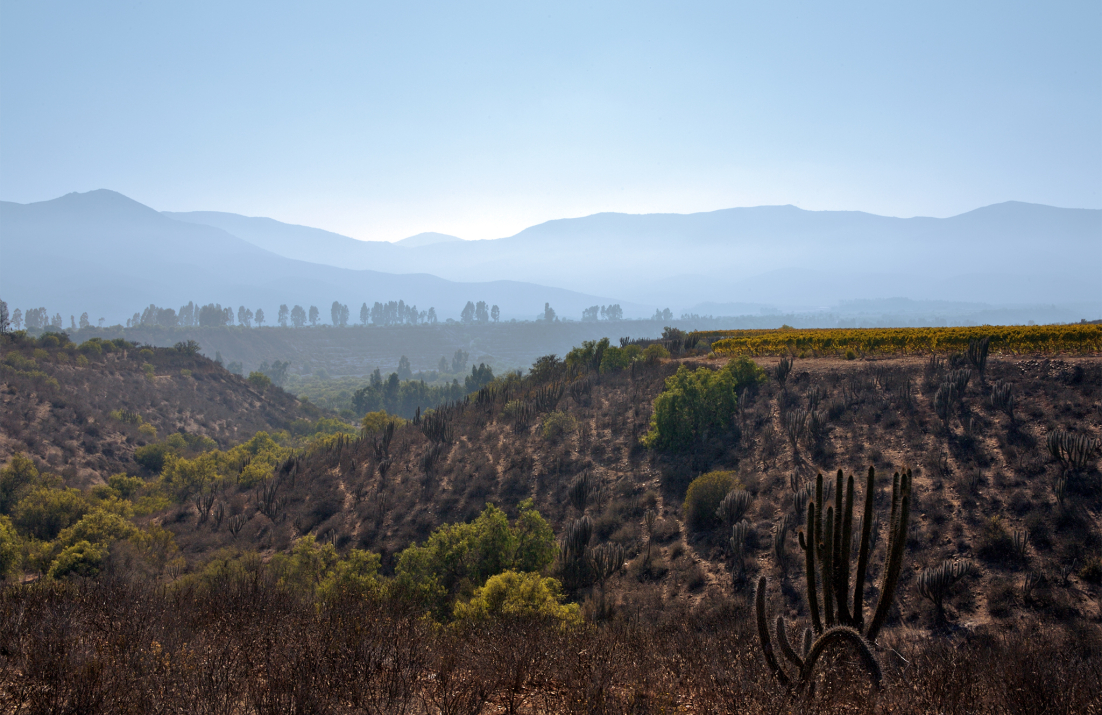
(1074, 450)
(934, 583)
(584, 489)
(437, 427)
(1002, 398)
(977, 353)
(580, 390)
(827, 542)
(547, 397)
(783, 370)
(734, 506)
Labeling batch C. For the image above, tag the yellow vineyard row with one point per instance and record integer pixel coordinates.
(1013, 339)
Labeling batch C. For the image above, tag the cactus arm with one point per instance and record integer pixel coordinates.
(863, 554)
(828, 569)
(818, 533)
(897, 542)
(763, 634)
(842, 635)
(786, 648)
(845, 548)
(809, 570)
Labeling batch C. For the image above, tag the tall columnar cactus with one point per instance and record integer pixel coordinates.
(827, 541)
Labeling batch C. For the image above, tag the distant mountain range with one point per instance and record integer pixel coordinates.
(1010, 253)
(105, 253)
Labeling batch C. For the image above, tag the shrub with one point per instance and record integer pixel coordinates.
(557, 425)
(614, 359)
(9, 547)
(125, 485)
(15, 480)
(259, 380)
(148, 430)
(703, 498)
(375, 422)
(656, 352)
(850, 355)
(44, 512)
(81, 559)
(98, 527)
(91, 348)
(146, 354)
(519, 595)
(152, 456)
(460, 557)
(696, 403)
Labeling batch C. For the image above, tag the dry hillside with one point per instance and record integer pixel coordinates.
(986, 490)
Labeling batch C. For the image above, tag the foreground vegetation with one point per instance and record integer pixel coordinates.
(585, 537)
(240, 642)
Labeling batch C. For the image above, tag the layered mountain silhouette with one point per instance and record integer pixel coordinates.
(1010, 253)
(110, 255)
(104, 253)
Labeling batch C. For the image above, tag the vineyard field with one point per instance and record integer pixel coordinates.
(1015, 339)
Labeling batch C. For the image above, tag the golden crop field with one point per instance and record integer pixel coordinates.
(1012, 339)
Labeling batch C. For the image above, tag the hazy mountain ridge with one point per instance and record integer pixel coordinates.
(1009, 253)
(107, 254)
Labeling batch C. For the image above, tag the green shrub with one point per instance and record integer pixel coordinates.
(850, 355)
(10, 550)
(81, 559)
(557, 425)
(259, 380)
(615, 359)
(44, 512)
(697, 403)
(703, 498)
(91, 348)
(15, 479)
(458, 558)
(519, 595)
(375, 422)
(125, 484)
(656, 352)
(152, 456)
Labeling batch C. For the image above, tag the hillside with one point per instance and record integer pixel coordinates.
(990, 478)
(81, 411)
(364, 550)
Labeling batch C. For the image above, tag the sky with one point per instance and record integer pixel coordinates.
(383, 120)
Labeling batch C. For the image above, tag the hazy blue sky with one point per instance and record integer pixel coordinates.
(479, 119)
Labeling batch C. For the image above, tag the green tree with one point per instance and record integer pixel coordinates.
(281, 317)
(495, 313)
(481, 375)
(314, 313)
(298, 316)
(467, 314)
(695, 404)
